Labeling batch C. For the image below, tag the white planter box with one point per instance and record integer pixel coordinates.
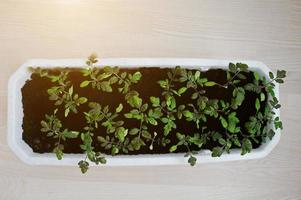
(25, 153)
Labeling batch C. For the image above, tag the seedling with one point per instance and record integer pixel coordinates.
(52, 126)
(161, 112)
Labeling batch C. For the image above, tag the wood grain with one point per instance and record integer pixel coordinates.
(264, 30)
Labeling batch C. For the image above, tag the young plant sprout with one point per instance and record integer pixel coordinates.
(141, 122)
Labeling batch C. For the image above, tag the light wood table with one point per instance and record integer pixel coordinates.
(264, 30)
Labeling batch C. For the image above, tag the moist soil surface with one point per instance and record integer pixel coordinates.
(36, 104)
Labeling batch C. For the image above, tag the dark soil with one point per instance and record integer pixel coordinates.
(36, 104)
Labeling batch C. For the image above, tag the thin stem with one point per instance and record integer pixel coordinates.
(230, 81)
(265, 86)
(141, 122)
(167, 112)
(238, 71)
(120, 78)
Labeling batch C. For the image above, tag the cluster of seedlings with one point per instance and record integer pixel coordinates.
(163, 110)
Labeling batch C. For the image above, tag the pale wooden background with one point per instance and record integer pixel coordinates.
(265, 30)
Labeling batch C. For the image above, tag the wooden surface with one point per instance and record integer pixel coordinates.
(264, 30)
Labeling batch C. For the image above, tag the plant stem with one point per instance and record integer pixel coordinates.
(141, 122)
(120, 78)
(230, 81)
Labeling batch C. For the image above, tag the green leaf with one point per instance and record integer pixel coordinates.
(152, 121)
(119, 108)
(243, 67)
(82, 100)
(137, 76)
(210, 83)
(256, 75)
(202, 81)
(113, 80)
(170, 102)
(144, 107)
(239, 96)
(70, 91)
(281, 73)
(188, 114)
(121, 133)
(84, 84)
(233, 120)
(135, 101)
(236, 142)
(128, 115)
(58, 152)
(182, 90)
(70, 134)
(262, 96)
(246, 146)
(222, 141)
(67, 110)
(232, 67)
(192, 160)
(257, 104)
(155, 101)
(216, 136)
(134, 131)
(173, 148)
(194, 95)
(101, 139)
(224, 122)
(271, 75)
(146, 134)
(114, 150)
(271, 134)
(44, 124)
(197, 75)
(83, 165)
(105, 86)
(241, 76)
(162, 83)
(217, 152)
(180, 136)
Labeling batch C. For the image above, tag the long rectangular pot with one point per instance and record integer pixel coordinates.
(25, 153)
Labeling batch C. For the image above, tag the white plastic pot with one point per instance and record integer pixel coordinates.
(25, 153)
